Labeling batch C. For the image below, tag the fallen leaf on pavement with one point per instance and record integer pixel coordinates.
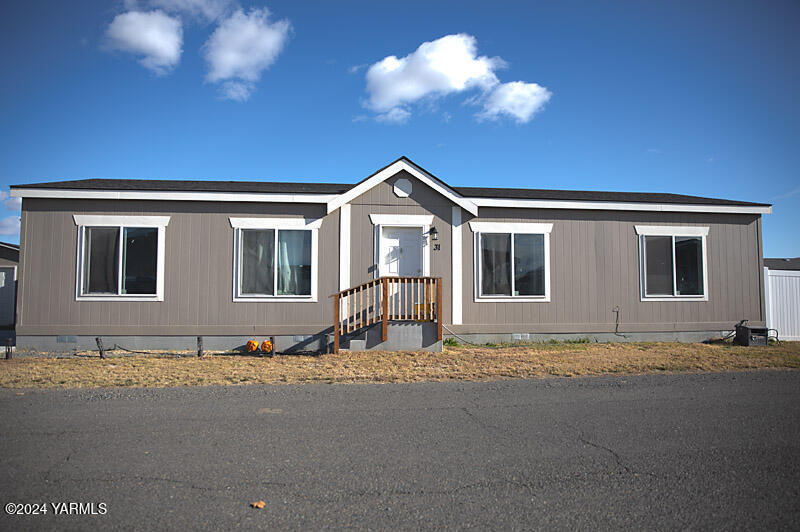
(258, 504)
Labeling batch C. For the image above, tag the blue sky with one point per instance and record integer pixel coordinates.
(686, 97)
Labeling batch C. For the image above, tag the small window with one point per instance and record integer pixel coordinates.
(512, 265)
(119, 261)
(673, 265)
(275, 263)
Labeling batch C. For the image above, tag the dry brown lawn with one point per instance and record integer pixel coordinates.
(455, 363)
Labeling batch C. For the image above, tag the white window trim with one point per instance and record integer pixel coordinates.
(670, 231)
(275, 224)
(510, 228)
(402, 220)
(88, 220)
(422, 221)
(104, 220)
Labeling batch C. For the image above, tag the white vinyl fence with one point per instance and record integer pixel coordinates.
(782, 289)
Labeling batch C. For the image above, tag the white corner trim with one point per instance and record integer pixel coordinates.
(275, 223)
(510, 227)
(414, 220)
(103, 220)
(171, 196)
(457, 266)
(670, 230)
(618, 206)
(465, 203)
(344, 248)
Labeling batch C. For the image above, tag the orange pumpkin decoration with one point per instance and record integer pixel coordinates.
(251, 346)
(266, 346)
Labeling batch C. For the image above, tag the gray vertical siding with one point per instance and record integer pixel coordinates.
(594, 267)
(198, 284)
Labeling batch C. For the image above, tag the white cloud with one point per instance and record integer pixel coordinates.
(154, 35)
(241, 48)
(395, 115)
(13, 204)
(517, 99)
(9, 226)
(207, 9)
(239, 91)
(788, 194)
(437, 68)
(445, 66)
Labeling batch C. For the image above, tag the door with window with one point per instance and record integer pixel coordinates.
(401, 255)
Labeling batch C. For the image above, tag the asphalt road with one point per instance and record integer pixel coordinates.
(672, 451)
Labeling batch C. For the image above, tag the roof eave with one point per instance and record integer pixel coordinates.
(163, 195)
(620, 206)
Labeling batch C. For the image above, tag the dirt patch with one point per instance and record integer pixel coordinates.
(455, 363)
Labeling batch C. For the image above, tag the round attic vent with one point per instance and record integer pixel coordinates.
(402, 188)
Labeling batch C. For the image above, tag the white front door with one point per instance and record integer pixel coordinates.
(401, 251)
(401, 255)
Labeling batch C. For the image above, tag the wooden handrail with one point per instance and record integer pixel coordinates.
(390, 298)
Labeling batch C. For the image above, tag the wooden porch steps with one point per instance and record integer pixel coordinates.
(384, 300)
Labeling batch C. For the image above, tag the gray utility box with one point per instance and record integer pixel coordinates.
(746, 335)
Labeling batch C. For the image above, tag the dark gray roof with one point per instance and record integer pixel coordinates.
(783, 264)
(339, 188)
(9, 252)
(168, 185)
(588, 195)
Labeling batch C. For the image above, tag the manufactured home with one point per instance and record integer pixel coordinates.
(399, 259)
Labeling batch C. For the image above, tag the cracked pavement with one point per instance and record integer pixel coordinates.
(716, 451)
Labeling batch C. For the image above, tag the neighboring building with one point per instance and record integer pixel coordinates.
(782, 280)
(157, 263)
(783, 264)
(9, 259)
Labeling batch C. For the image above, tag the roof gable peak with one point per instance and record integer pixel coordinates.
(403, 163)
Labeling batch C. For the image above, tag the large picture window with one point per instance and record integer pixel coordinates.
(512, 261)
(673, 262)
(275, 259)
(120, 261)
(275, 266)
